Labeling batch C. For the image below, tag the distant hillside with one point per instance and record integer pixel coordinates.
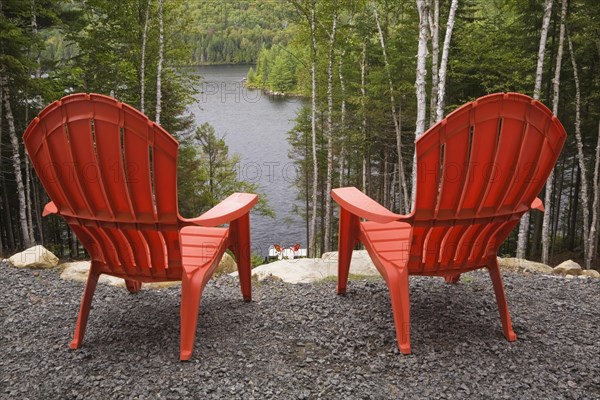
(233, 31)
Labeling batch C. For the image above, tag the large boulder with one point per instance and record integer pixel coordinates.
(78, 271)
(37, 257)
(592, 273)
(306, 270)
(360, 264)
(227, 265)
(568, 267)
(522, 265)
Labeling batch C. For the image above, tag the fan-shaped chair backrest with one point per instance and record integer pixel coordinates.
(478, 171)
(112, 174)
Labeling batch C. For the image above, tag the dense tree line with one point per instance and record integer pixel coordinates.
(385, 71)
(126, 49)
(234, 31)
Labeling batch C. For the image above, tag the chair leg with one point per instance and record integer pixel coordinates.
(348, 229)
(501, 300)
(400, 298)
(240, 231)
(133, 286)
(191, 291)
(452, 278)
(84, 309)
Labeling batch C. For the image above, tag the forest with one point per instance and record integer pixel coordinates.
(375, 74)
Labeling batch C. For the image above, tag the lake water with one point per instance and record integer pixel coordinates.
(255, 125)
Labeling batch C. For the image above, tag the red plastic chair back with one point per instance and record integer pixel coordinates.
(478, 171)
(112, 174)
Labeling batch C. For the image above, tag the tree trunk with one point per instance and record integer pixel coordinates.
(421, 75)
(38, 212)
(161, 40)
(395, 117)
(556, 202)
(1, 204)
(595, 225)
(315, 183)
(441, 92)
(524, 224)
(580, 156)
(556, 89)
(435, 50)
(329, 177)
(16, 163)
(363, 126)
(28, 198)
(342, 119)
(143, 60)
(574, 204)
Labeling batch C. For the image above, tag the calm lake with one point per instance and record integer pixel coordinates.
(255, 125)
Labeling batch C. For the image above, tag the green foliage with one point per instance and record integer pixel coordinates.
(207, 174)
(233, 31)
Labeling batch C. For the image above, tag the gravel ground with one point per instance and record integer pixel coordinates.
(302, 341)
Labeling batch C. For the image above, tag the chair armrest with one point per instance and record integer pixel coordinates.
(49, 208)
(537, 204)
(361, 205)
(226, 211)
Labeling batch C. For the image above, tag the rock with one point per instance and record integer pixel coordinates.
(592, 273)
(360, 264)
(227, 265)
(34, 257)
(78, 271)
(568, 267)
(523, 265)
(306, 270)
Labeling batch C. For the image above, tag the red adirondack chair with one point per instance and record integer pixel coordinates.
(111, 173)
(478, 171)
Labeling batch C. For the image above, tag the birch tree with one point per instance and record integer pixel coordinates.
(421, 75)
(595, 205)
(395, 116)
(580, 156)
(441, 92)
(363, 105)
(2, 205)
(143, 58)
(329, 178)
(16, 158)
(313, 127)
(161, 40)
(434, 23)
(524, 224)
(556, 93)
(342, 116)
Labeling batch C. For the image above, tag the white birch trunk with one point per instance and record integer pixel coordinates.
(421, 75)
(581, 158)
(161, 41)
(315, 183)
(441, 93)
(556, 90)
(143, 60)
(16, 162)
(34, 30)
(524, 224)
(2, 205)
(395, 117)
(329, 178)
(342, 118)
(595, 204)
(435, 50)
(363, 128)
